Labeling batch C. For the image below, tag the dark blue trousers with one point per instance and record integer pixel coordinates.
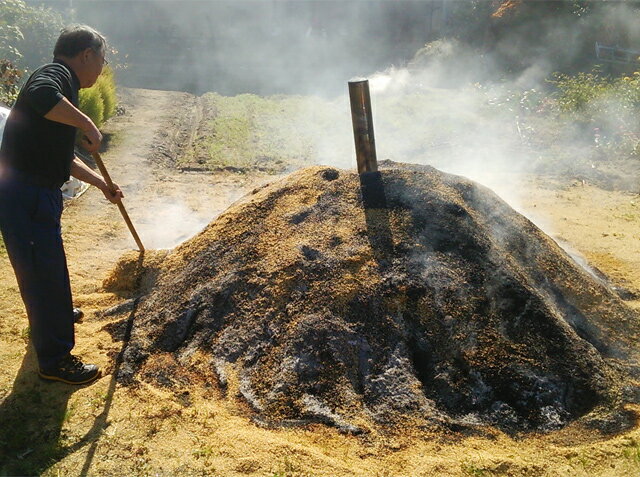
(30, 226)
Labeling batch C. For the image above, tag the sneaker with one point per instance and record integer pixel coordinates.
(78, 315)
(71, 370)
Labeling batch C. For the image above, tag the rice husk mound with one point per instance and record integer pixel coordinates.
(405, 296)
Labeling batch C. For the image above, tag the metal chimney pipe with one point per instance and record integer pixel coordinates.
(362, 120)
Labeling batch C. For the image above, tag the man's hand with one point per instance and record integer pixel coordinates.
(92, 138)
(113, 197)
(79, 170)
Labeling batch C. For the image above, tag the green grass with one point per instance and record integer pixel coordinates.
(631, 452)
(474, 471)
(289, 468)
(280, 133)
(270, 134)
(203, 452)
(474, 127)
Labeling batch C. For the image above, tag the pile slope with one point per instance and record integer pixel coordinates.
(405, 296)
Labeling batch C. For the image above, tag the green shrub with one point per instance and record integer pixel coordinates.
(99, 102)
(577, 92)
(92, 105)
(107, 86)
(588, 93)
(605, 108)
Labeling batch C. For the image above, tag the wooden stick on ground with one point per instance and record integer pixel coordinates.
(107, 178)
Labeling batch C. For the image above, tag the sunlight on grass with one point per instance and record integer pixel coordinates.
(464, 129)
(270, 134)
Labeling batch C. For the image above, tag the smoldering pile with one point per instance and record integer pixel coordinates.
(407, 295)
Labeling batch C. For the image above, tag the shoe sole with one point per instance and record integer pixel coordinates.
(62, 380)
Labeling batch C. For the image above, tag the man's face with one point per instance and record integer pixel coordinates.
(92, 64)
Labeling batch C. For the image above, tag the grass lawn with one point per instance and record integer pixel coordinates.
(464, 131)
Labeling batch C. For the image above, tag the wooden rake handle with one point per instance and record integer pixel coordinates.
(107, 178)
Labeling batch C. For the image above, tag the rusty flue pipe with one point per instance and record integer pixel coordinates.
(362, 120)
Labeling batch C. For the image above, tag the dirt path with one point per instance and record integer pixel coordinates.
(108, 429)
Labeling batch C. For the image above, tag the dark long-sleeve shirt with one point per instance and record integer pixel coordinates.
(32, 144)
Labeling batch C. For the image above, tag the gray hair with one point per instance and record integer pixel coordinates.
(74, 39)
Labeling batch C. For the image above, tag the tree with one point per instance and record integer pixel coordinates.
(27, 36)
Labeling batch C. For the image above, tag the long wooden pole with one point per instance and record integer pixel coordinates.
(107, 178)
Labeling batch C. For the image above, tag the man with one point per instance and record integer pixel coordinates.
(36, 158)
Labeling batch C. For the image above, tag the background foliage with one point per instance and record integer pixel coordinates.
(27, 36)
(10, 77)
(607, 106)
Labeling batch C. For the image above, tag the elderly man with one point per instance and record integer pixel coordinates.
(36, 158)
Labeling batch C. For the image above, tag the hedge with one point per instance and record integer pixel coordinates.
(99, 102)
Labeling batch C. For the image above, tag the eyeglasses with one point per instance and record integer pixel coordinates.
(99, 53)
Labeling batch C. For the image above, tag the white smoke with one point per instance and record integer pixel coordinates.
(166, 223)
(444, 107)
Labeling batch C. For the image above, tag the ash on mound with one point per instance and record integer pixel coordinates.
(414, 296)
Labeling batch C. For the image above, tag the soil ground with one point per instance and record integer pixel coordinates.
(107, 429)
